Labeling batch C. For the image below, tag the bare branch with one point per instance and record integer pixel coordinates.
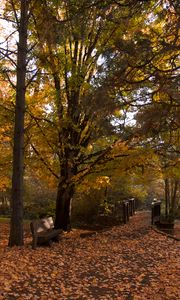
(15, 13)
(44, 162)
(9, 79)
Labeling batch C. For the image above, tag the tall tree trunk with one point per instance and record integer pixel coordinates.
(173, 198)
(16, 226)
(167, 197)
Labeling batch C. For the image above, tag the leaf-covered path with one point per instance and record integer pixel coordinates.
(125, 262)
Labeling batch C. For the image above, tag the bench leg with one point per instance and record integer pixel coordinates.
(56, 239)
(34, 242)
(50, 242)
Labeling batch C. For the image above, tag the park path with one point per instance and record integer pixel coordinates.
(129, 262)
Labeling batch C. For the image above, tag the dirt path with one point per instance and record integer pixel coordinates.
(126, 262)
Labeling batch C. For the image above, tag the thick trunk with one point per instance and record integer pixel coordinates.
(65, 192)
(173, 197)
(16, 226)
(170, 196)
(63, 207)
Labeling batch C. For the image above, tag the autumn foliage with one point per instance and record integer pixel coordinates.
(125, 262)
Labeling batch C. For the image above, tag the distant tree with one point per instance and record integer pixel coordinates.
(148, 88)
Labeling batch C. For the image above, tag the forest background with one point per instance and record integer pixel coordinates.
(89, 110)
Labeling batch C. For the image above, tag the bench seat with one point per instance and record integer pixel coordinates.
(43, 232)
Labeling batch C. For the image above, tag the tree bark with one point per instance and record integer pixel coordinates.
(167, 197)
(63, 207)
(173, 198)
(16, 225)
(65, 192)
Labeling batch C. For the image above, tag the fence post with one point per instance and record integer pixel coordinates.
(128, 213)
(134, 205)
(124, 213)
(131, 206)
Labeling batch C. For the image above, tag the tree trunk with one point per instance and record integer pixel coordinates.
(173, 198)
(63, 207)
(16, 226)
(167, 197)
(65, 192)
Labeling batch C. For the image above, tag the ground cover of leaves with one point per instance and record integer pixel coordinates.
(124, 262)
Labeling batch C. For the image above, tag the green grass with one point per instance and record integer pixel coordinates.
(4, 219)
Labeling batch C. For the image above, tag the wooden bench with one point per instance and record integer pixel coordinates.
(43, 232)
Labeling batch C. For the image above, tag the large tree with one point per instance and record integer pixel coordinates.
(72, 53)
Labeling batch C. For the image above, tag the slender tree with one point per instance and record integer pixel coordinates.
(16, 227)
